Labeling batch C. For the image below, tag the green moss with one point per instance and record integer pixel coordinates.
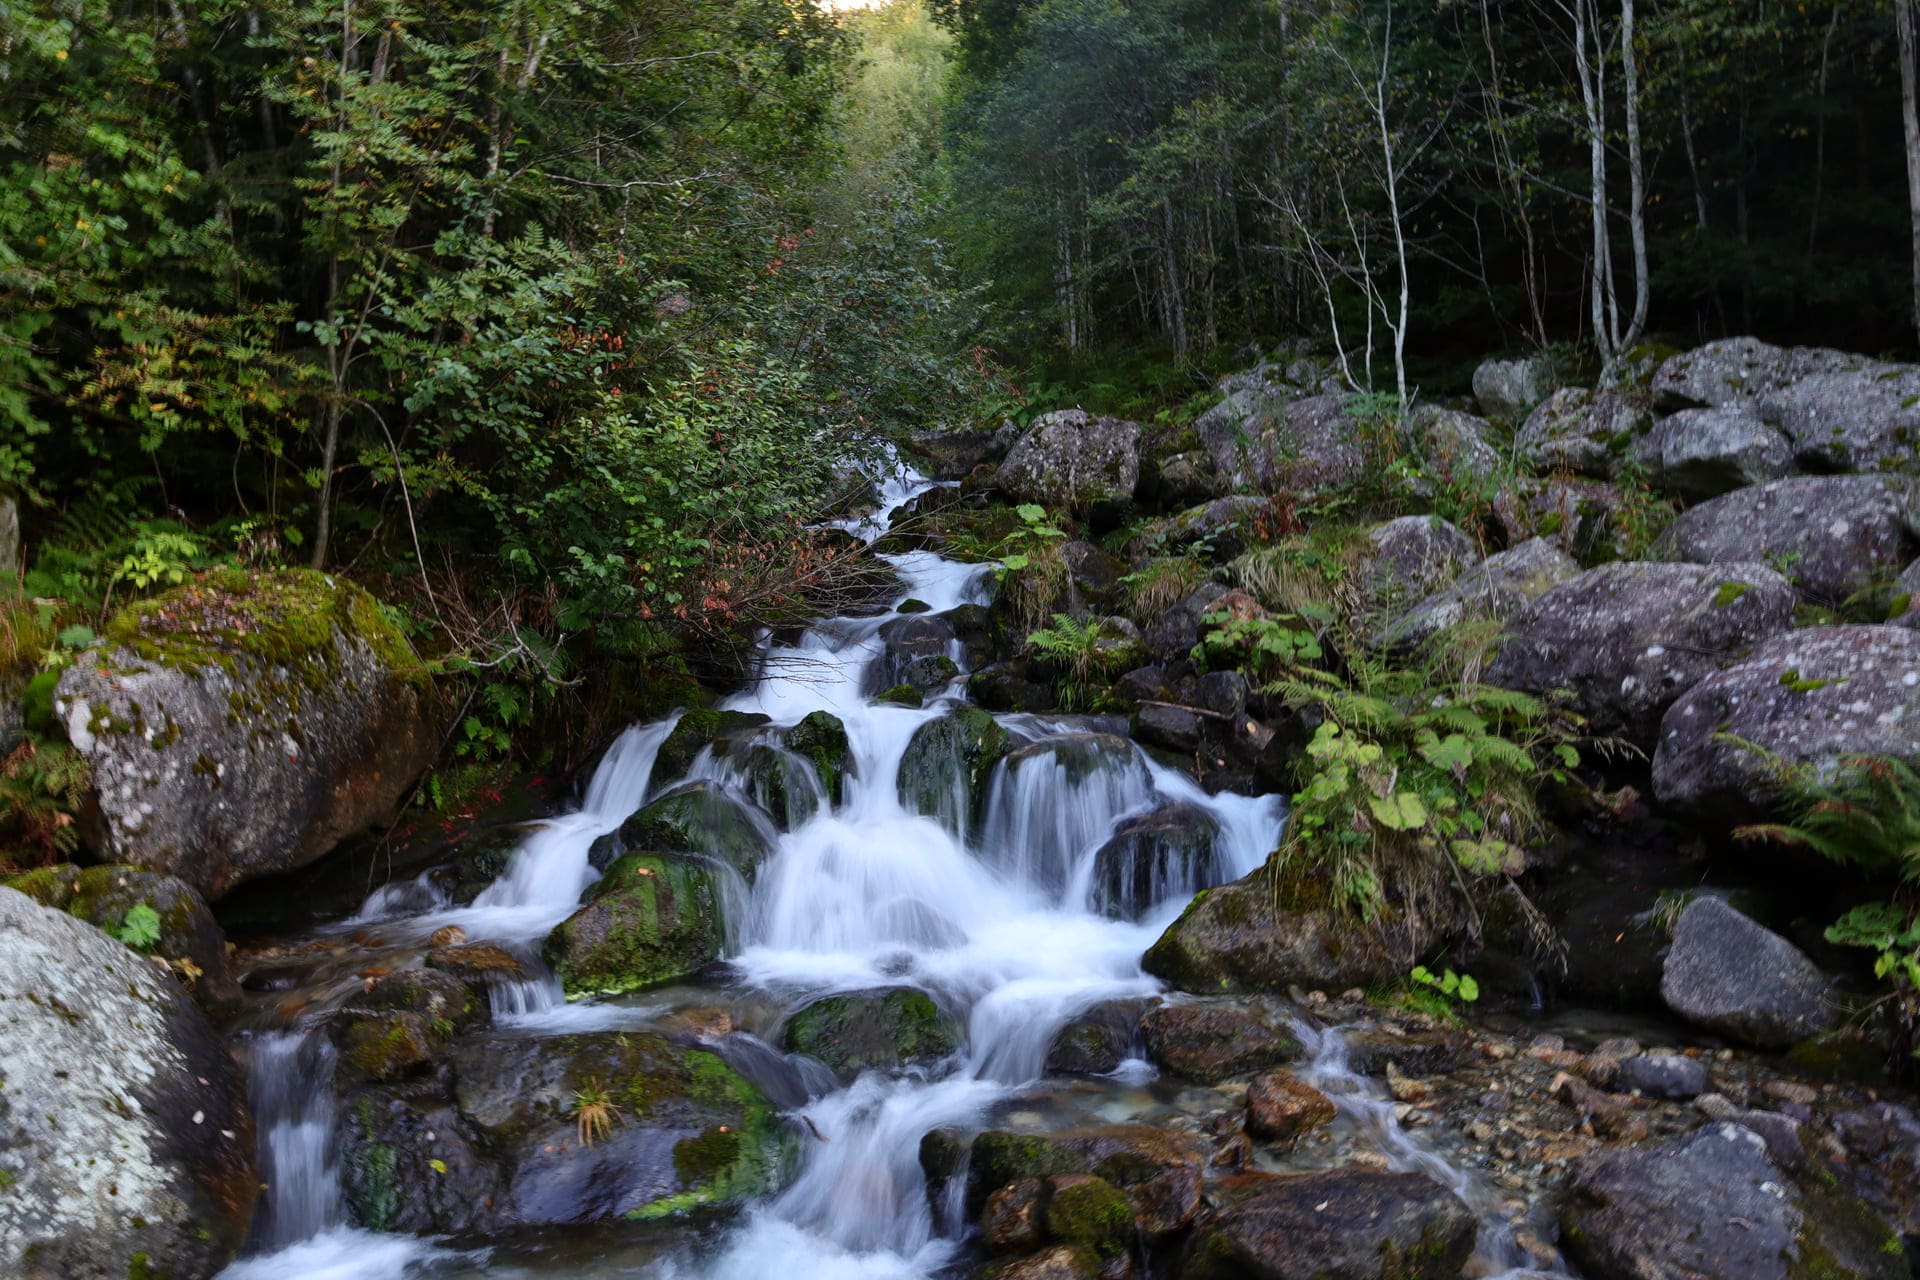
(698, 818)
(912, 606)
(48, 886)
(380, 1204)
(1000, 1158)
(854, 1032)
(653, 918)
(1729, 592)
(724, 1162)
(1093, 1213)
(822, 739)
(708, 1156)
(904, 695)
(695, 731)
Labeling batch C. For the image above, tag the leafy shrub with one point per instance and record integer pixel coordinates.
(1032, 570)
(1261, 647)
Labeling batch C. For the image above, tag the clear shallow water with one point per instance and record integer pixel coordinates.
(861, 895)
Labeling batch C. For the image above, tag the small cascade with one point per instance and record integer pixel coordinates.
(1054, 802)
(400, 898)
(1497, 1254)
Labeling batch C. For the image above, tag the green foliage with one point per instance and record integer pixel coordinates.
(1453, 986)
(139, 928)
(44, 784)
(1443, 996)
(1158, 584)
(1088, 651)
(1031, 570)
(1262, 647)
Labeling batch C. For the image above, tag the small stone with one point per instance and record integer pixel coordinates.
(1281, 1106)
(451, 935)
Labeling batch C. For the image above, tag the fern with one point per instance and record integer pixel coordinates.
(1083, 648)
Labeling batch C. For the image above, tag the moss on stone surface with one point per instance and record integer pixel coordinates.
(1091, 1212)
(865, 1029)
(822, 740)
(653, 918)
(695, 731)
(903, 695)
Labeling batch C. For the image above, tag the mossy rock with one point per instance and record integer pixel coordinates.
(912, 606)
(902, 695)
(782, 783)
(695, 732)
(883, 1029)
(1091, 1212)
(821, 739)
(386, 1044)
(653, 918)
(701, 818)
(946, 767)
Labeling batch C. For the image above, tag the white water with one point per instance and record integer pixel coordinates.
(861, 895)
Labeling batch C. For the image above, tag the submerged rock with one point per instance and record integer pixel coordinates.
(884, 1029)
(947, 764)
(1069, 458)
(1730, 975)
(1716, 1205)
(1340, 1224)
(125, 1144)
(652, 918)
(245, 724)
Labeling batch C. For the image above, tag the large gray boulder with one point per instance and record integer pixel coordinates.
(1582, 431)
(1627, 639)
(1857, 420)
(1334, 1224)
(1509, 388)
(1266, 442)
(1832, 536)
(125, 1144)
(245, 724)
(1408, 559)
(1452, 445)
(1716, 1204)
(1807, 697)
(1740, 373)
(1742, 980)
(1702, 453)
(1069, 458)
(1495, 589)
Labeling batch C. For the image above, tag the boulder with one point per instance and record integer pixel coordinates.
(1495, 589)
(125, 1144)
(1853, 420)
(1741, 373)
(1159, 1170)
(702, 729)
(1408, 559)
(1703, 453)
(1010, 1221)
(1097, 1041)
(946, 766)
(652, 918)
(1179, 480)
(1577, 515)
(1071, 459)
(1056, 1262)
(1270, 442)
(1165, 853)
(883, 1029)
(1807, 697)
(1281, 1106)
(1509, 388)
(699, 817)
(1832, 536)
(411, 1162)
(182, 931)
(783, 784)
(1742, 980)
(916, 650)
(1453, 446)
(1217, 530)
(1715, 1204)
(1177, 629)
(1234, 938)
(821, 740)
(952, 455)
(1882, 1141)
(246, 723)
(1211, 1040)
(1585, 432)
(1627, 639)
(1010, 686)
(1336, 1224)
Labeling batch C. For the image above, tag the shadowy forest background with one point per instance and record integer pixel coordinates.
(558, 324)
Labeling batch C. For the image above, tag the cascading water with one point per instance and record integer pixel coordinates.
(858, 895)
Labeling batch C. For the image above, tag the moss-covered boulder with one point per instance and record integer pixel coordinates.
(821, 739)
(563, 1129)
(884, 1029)
(1159, 1170)
(246, 723)
(125, 1143)
(699, 729)
(652, 918)
(782, 783)
(947, 764)
(701, 818)
(1236, 938)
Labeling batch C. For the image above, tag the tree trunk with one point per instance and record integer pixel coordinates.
(1910, 118)
(1596, 183)
(1636, 176)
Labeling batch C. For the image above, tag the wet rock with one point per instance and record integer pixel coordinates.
(782, 784)
(698, 817)
(1702, 453)
(1177, 629)
(1170, 725)
(1281, 1107)
(478, 961)
(1060, 1262)
(1741, 373)
(384, 1044)
(1627, 639)
(1069, 458)
(1159, 1170)
(125, 1143)
(614, 1124)
(1407, 560)
(1853, 420)
(1009, 686)
(246, 723)
(1882, 1141)
(1097, 1041)
(952, 455)
(1011, 1222)
(1740, 979)
(652, 919)
(1456, 447)
(1715, 1205)
(1212, 1041)
(946, 767)
(702, 729)
(411, 1163)
(1662, 1075)
(1574, 514)
(1165, 853)
(916, 650)
(1419, 1053)
(1267, 441)
(1088, 1212)
(440, 997)
(1234, 939)
(1831, 536)
(1585, 432)
(1509, 388)
(883, 1029)
(1807, 697)
(182, 932)
(821, 740)
(1496, 588)
(1342, 1224)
